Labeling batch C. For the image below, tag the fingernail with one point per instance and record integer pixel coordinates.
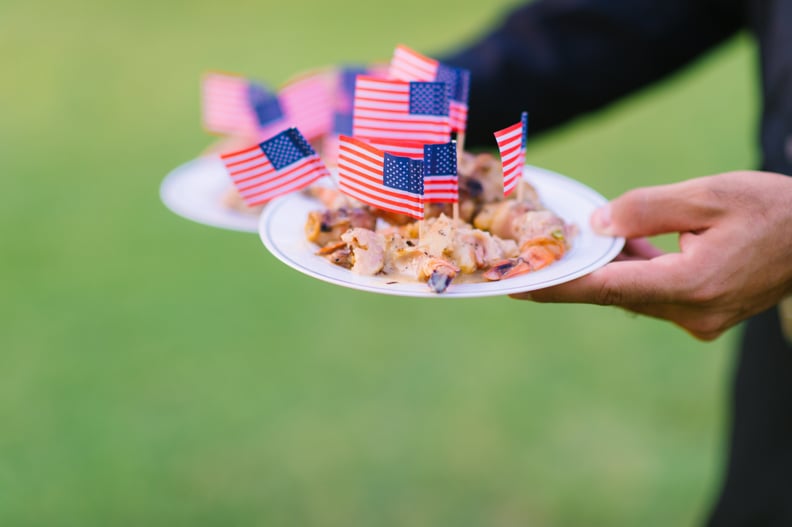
(601, 220)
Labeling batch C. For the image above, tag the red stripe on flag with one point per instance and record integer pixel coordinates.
(308, 102)
(381, 110)
(225, 105)
(360, 173)
(409, 65)
(512, 155)
(441, 189)
(411, 149)
(258, 181)
(457, 115)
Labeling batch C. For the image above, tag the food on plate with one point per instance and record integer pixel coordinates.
(326, 226)
(492, 237)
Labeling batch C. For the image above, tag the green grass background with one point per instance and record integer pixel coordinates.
(155, 371)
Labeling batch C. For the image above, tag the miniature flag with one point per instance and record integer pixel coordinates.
(441, 184)
(233, 105)
(411, 149)
(308, 103)
(281, 164)
(511, 143)
(344, 114)
(458, 83)
(409, 65)
(382, 180)
(399, 110)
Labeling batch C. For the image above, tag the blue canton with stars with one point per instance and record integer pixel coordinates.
(265, 104)
(286, 148)
(428, 98)
(403, 173)
(457, 82)
(524, 120)
(440, 160)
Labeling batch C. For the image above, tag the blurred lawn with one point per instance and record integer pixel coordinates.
(154, 371)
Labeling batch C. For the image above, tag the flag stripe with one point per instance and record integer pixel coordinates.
(269, 187)
(225, 105)
(512, 155)
(409, 65)
(457, 115)
(360, 172)
(411, 149)
(257, 179)
(441, 197)
(441, 182)
(366, 169)
(308, 103)
(227, 108)
(381, 110)
(366, 192)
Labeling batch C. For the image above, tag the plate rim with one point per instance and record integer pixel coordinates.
(228, 219)
(462, 290)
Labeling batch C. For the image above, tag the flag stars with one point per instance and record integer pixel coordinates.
(440, 159)
(403, 173)
(428, 98)
(286, 148)
(416, 176)
(457, 81)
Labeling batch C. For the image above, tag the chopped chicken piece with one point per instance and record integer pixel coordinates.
(405, 258)
(543, 238)
(327, 226)
(368, 250)
(470, 249)
(499, 218)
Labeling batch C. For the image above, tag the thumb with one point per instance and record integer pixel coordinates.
(648, 211)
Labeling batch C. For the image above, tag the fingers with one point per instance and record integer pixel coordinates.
(701, 323)
(731, 262)
(687, 206)
(697, 322)
(639, 249)
(620, 283)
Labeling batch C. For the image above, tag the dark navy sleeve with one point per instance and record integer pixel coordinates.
(558, 59)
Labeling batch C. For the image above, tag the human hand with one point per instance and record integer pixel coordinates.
(735, 258)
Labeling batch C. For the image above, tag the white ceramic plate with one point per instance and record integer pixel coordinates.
(195, 190)
(282, 222)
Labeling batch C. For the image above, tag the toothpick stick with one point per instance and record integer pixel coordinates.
(334, 183)
(520, 190)
(460, 140)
